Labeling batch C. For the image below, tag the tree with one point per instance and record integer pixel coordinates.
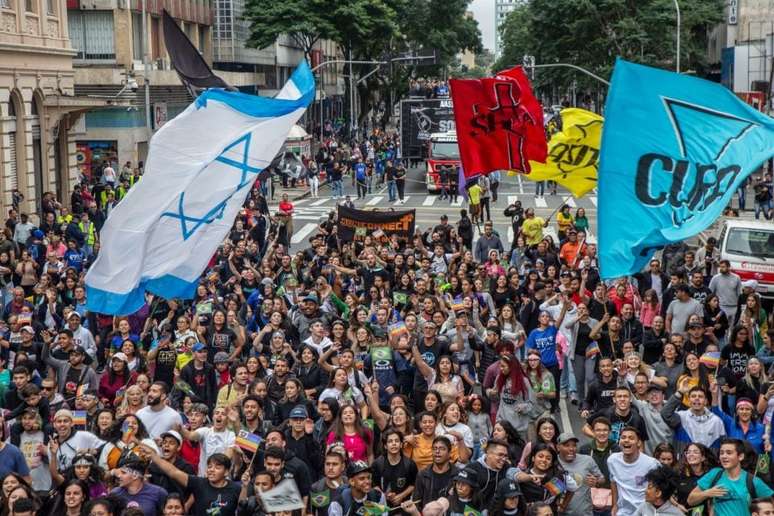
(592, 33)
(305, 21)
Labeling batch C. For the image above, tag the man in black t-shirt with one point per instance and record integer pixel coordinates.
(620, 415)
(394, 473)
(212, 494)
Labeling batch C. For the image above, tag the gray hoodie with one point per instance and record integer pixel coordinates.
(647, 509)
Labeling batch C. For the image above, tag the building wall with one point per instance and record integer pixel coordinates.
(35, 68)
(744, 20)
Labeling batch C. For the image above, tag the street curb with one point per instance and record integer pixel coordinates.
(306, 194)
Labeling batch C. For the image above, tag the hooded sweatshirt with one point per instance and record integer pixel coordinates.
(705, 428)
(486, 478)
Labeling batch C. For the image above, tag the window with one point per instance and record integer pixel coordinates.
(5, 4)
(30, 6)
(91, 34)
(51, 7)
(137, 36)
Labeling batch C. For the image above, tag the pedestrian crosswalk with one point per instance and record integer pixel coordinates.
(309, 212)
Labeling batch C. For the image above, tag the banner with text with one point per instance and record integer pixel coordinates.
(356, 224)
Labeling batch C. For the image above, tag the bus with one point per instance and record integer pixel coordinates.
(442, 151)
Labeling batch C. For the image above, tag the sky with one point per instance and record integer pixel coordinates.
(484, 13)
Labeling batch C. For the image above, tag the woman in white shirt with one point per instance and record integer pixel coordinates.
(459, 433)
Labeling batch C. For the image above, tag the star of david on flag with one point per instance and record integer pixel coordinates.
(199, 170)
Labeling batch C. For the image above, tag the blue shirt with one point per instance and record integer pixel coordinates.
(754, 433)
(737, 500)
(150, 498)
(360, 170)
(545, 342)
(74, 259)
(12, 461)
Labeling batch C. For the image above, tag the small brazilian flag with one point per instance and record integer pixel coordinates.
(470, 511)
(373, 508)
(322, 499)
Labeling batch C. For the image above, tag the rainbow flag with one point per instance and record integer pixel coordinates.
(397, 329)
(79, 418)
(247, 441)
(592, 350)
(120, 393)
(457, 304)
(555, 487)
(81, 390)
(126, 431)
(710, 360)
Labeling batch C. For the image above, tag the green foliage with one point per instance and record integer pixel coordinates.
(592, 33)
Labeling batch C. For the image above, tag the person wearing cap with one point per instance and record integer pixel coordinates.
(201, 376)
(66, 441)
(508, 500)
(71, 373)
(697, 339)
(650, 412)
(171, 442)
(464, 496)
(299, 440)
(81, 336)
(360, 490)
(30, 437)
(134, 489)
(116, 378)
(302, 315)
(584, 471)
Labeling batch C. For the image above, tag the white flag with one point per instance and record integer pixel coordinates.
(282, 497)
(201, 165)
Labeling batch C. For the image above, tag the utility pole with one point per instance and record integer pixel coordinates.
(677, 60)
(146, 67)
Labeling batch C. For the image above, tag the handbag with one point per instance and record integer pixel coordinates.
(601, 498)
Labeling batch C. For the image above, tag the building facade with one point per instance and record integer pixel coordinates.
(37, 104)
(740, 48)
(107, 38)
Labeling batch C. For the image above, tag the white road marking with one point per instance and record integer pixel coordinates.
(301, 234)
(540, 202)
(429, 200)
(376, 200)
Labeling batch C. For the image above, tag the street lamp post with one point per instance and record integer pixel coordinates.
(677, 61)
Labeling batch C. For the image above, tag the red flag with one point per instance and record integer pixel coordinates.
(499, 123)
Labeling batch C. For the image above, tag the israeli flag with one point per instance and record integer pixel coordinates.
(199, 170)
(674, 150)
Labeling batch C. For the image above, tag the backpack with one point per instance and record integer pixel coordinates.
(749, 480)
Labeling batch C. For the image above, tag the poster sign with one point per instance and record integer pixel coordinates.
(356, 224)
(159, 114)
(283, 497)
(420, 118)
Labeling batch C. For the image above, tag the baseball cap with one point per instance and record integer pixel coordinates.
(379, 332)
(357, 467)
(74, 314)
(38, 234)
(221, 357)
(298, 412)
(63, 413)
(78, 349)
(508, 489)
(312, 297)
(173, 434)
(566, 436)
(467, 476)
(120, 356)
(29, 329)
(695, 325)
(198, 346)
(753, 284)
(654, 387)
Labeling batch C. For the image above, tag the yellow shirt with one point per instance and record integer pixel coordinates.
(533, 230)
(565, 223)
(422, 453)
(474, 193)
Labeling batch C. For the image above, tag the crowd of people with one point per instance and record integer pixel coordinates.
(423, 376)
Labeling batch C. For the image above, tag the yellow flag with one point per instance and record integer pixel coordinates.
(573, 153)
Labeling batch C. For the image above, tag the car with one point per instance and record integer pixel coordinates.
(749, 246)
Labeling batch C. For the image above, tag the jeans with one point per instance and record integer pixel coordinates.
(369, 182)
(540, 188)
(764, 207)
(742, 196)
(485, 207)
(361, 189)
(568, 382)
(314, 185)
(392, 191)
(401, 185)
(584, 372)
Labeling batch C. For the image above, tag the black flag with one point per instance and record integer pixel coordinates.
(188, 62)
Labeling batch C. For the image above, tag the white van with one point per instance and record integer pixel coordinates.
(749, 246)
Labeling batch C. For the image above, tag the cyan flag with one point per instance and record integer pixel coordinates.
(674, 150)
